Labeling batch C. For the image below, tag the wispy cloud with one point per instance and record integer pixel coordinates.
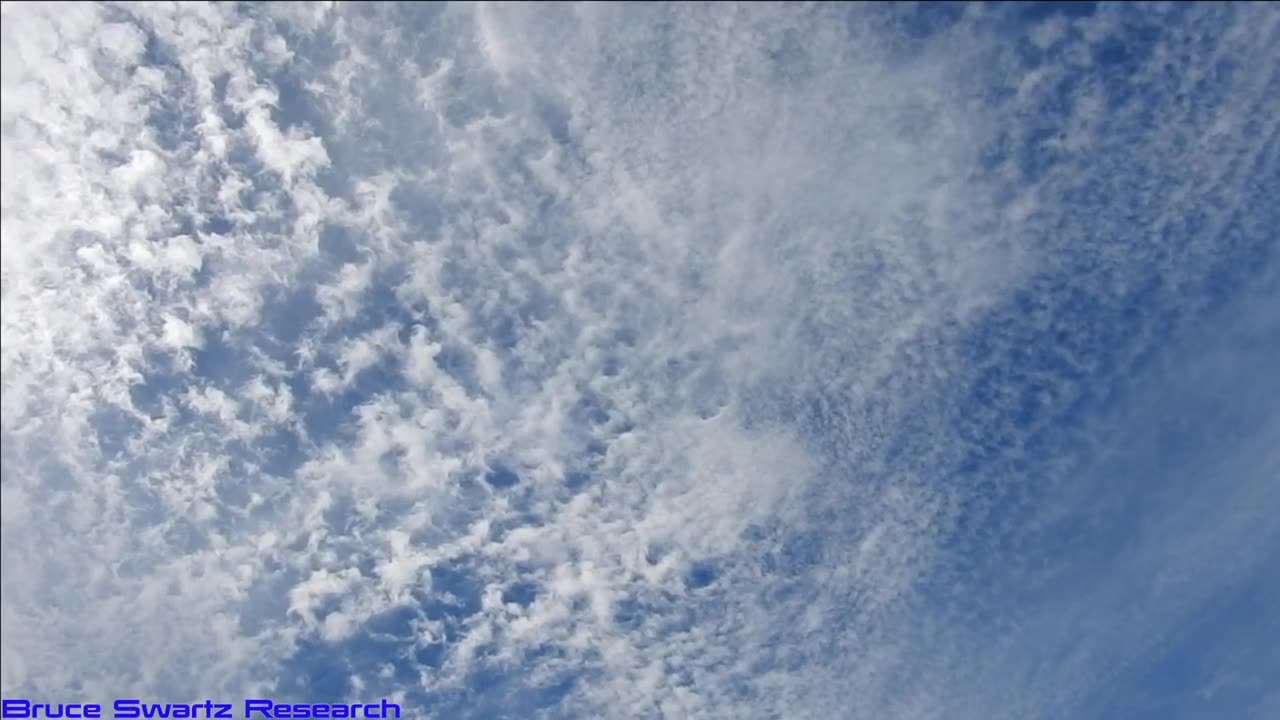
(687, 360)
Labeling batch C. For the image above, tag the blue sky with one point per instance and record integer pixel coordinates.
(644, 360)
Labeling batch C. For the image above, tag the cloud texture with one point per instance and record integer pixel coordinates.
(631, 360)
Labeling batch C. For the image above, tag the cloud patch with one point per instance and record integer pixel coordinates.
(716, 361)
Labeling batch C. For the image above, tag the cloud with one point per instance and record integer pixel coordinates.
(715, 361)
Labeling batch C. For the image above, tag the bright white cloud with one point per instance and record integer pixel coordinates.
(690, 360)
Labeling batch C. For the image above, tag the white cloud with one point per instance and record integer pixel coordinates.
(681, 350)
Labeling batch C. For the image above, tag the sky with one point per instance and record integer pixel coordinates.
(893, 361)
